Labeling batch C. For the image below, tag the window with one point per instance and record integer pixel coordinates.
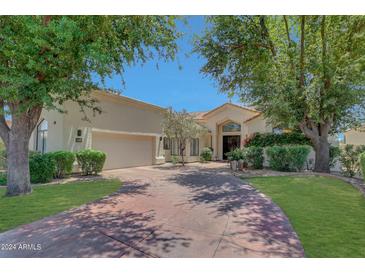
(42, 132)
(277, 130)
(175, 147)
(194, 147)
(166, 143)
(232, 127)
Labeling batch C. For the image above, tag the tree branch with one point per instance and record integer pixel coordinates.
(266, 35)
(287, 30)
(33, 115)
(327, 82)
(301, 62)
(46, 19)
(290, 44)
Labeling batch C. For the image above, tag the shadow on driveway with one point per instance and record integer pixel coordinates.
(193, 211)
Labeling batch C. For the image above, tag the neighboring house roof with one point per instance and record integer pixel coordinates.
(198, 114)
(362, 126)
(123, 98)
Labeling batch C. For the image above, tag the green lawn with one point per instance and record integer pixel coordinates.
(327, 214)
(50, 199)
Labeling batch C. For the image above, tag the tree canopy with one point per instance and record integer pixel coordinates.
(306, 71)
(47, 60)
(181, 126)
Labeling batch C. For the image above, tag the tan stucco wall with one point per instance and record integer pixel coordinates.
(258, 124)
(215, 120)
(204, 141)
(125, 116)
(120, 116)
(55, 140)
(355, 136)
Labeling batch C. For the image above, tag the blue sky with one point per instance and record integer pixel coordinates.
(170, 85)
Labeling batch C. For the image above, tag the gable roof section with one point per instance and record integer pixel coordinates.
(122, 98)
(360, 127)
(199, 115)
(253, 117)
(209, 113)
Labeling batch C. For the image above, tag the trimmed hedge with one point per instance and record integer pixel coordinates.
(2, 158)
(362, 164)
(90, 161)
(287, 158)
(335, 153)
(254, 156)
(64, 161)
(41, 167)
(273, 139)
(206, 154)
(3, 178)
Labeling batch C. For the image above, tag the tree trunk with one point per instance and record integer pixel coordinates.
(17, 148)
(182, 157)
(322, 156)
(18, 181)
(318, 134)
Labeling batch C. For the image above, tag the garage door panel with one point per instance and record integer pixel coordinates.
(124, 150)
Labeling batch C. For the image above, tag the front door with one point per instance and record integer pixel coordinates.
(230, 143)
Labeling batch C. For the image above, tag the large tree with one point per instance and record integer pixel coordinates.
(301, 71)
(181, 126)
(47, 60)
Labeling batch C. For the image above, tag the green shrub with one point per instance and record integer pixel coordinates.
(174, 159)
(278, 158)
(206, 154)
(335, 153)
(362, 164)
(287, 158)
(349, 159)
(64, 161)
(274, 139)
(297, 156)
(2, 159)
(254, 156)
(41, 167)
(3, 179)
(90, 161)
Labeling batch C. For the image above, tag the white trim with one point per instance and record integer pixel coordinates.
(125, 132)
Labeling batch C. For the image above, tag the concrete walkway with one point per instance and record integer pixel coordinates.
(164, 211)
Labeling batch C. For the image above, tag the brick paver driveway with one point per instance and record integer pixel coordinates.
(161, 211)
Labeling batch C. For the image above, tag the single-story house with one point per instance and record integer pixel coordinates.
(354, 136)
(228, 125)
(129, 131)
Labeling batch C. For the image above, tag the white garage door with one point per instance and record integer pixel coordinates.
(124, 150)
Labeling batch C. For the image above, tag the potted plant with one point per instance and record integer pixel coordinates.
(242, 162)
(233, 157)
